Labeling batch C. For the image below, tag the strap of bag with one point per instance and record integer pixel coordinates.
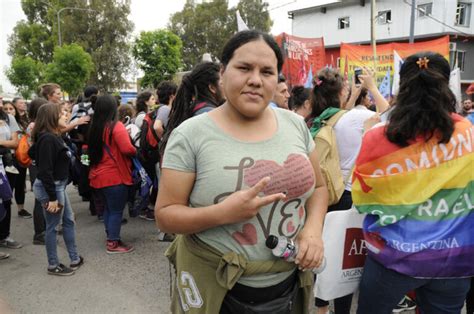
(333, 120)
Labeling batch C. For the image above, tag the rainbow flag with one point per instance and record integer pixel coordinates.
(419, 202)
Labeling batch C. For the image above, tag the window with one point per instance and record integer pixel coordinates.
(385, 17)
(460, 58)
(343, 22)
(425, 9)
(463, 14)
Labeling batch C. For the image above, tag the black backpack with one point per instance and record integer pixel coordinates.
(149, 152)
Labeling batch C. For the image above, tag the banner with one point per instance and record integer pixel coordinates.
(302, 56)
(353, 56)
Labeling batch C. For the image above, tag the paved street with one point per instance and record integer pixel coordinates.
(130, 283)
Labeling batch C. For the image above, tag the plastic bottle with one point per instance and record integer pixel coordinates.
(287, 249)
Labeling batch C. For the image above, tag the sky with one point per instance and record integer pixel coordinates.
(145, 14)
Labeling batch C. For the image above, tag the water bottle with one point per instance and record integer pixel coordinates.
(287, 249)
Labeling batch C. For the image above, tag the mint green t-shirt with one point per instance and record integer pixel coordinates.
(223, 165)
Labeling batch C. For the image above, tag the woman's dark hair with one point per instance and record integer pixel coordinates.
(424, 102)
(105, 117)
(46, 120)
(46, 90)
(35, 104)
(327, 87)
(299, 94)
(244, 37)
(363, 92)
(142, 98)
(165, 90)
(194, 89)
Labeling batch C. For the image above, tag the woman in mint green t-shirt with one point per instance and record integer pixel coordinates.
(234, 176)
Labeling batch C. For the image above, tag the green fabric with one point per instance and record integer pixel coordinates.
(223, 165)
(203, 276)
(318, 121)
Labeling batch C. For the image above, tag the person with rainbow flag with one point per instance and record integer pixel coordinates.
(414, 177)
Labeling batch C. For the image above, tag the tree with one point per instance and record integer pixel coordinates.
(158, 54)
(205, 27)
(104, 34)
(24, 74)
(71, 68)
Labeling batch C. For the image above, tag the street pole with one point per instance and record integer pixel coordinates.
(412, 22)
(59, 19)
(373, 13)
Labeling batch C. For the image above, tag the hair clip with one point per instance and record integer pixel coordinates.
(318, 82)
(423, 62)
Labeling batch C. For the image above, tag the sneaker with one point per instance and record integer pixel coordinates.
(39, 239)
(60, 270)
(10, 243)
(11, 169)
(76, 265)
(118, 247)
(166, 237)
(406, 304)
(4, 255)
(24, 214)
(148, 214)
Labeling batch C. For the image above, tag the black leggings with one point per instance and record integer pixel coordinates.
(470, 299)
(342, 305)
(20, 185)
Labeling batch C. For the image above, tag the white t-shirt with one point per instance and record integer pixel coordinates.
(349, 130)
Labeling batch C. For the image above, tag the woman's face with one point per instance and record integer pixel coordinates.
(250, 78)
(56, 96)
(21, 105)
(151, 101)
(8, 108)
(366, 100)
(63, 118)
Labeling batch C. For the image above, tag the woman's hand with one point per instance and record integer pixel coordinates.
(53, 207)
(310, 249)
(370, 122)
(245, 204)
(368, 79)
(83, 120)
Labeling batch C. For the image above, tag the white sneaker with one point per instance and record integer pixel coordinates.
(11, 169)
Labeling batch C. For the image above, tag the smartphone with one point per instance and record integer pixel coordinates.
(357, 72)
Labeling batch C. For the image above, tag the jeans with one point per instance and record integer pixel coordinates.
(52, 221)
(381, 289)
(115, 199)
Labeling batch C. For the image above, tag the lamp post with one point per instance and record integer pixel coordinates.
(59, 21)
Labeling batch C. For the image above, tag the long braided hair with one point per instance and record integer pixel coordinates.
(193, 90)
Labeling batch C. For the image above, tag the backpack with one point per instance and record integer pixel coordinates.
(21, 152)
(328, 155)
(148, 152)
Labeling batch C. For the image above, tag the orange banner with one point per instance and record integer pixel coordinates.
(353, 56)
(302, 56)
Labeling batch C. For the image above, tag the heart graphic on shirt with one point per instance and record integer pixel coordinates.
(295, 177)
(290, 227)
(248, 236)
(301, 212)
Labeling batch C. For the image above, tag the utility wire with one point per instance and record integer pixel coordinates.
(436, 20)
(282, 5)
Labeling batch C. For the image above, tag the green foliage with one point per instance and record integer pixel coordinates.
(158, 54)
(205, 27)
(104, 33)
(24, 74)
(71, 68)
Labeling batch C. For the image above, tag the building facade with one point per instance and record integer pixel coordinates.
(349, 21)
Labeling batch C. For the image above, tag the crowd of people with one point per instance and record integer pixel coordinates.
(228, 157)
